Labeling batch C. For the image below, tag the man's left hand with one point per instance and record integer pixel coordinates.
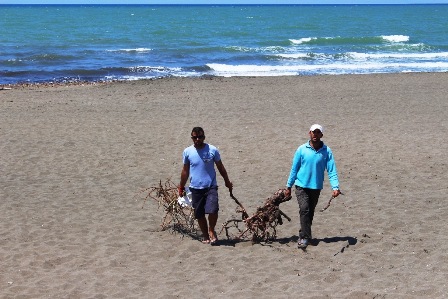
(336, 193)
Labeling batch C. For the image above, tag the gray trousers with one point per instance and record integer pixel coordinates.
(307, 199)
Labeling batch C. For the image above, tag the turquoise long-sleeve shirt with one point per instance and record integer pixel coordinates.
(308, 167)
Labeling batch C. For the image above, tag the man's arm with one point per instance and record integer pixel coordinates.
(293, 172)
(333, 175)
(184, 174)
(222, 170)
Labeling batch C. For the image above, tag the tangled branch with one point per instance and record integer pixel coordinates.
(260, 227)
(179, 217)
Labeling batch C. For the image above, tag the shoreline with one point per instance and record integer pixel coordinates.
(203, 77)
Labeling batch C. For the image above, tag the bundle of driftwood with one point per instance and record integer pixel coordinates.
(177, 216)
(260, 227)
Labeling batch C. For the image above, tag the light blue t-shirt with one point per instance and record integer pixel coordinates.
(308, 167)
(202, 165)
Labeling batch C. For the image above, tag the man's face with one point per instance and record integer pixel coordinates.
(198, 138)
(316, 135)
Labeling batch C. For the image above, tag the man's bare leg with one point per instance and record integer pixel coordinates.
(212, 220)
(204, 229)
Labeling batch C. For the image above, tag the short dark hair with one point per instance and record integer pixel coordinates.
(197, 130)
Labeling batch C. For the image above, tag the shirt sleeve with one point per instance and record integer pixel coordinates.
(217, 155)
(185, 159)
(332, 171)
(294, 168)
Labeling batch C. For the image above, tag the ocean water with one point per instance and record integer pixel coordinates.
(65, 43)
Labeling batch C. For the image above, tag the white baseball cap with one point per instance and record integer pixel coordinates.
(316, 127)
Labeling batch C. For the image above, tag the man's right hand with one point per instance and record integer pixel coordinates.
(288, 192)
(181, 190)
(229, 185)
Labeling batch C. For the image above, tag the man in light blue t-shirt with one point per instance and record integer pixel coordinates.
(199, 162)
(307, 175)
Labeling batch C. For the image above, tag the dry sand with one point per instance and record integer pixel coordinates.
(74, 157)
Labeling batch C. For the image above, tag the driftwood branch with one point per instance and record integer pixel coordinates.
(329, 203)
(242, 210)
(260, 227)
(176, 216)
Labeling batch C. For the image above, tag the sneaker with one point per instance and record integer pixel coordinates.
(303, 243)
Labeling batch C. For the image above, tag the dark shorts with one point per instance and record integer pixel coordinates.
(204, 201)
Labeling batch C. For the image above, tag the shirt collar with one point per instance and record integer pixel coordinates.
(308, 145)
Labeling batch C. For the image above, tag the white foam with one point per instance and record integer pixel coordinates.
(140, 50)
(396, 38)
(143, 68)
(336, 68)
(256, 50)
(240, 49)
(294, 56)
(398, 55)
(302, 40)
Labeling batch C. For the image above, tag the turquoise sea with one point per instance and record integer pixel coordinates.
(60, 43)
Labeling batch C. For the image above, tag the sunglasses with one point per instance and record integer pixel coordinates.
(198, 137)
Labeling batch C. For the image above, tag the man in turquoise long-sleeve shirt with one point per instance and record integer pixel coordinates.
(307, 175)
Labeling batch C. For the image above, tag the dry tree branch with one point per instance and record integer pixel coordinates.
(329, 203)
(260, 227)
(176, 216)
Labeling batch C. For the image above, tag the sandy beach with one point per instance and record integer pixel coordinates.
(74, 158)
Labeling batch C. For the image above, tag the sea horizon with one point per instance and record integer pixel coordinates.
(316, 4)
